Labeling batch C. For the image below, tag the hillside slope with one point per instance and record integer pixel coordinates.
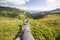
(13, 12)
(44, 28)
(47, 28)
(44, 13)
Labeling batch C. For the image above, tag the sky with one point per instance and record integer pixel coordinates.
(34, 5)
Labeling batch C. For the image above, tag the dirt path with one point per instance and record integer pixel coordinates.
(25, 32)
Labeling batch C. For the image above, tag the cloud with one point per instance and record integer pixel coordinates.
(52, 4)
(50, 1)
(16, 2)
(31, 8)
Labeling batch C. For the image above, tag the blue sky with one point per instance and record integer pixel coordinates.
(35, 5)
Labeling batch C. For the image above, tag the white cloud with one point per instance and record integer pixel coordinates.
(50, 1)
(17, 2)
(31, 8)
(52, 4)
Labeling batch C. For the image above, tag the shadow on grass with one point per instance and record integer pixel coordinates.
(20, 27)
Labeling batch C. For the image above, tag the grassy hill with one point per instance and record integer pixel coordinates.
(12, 12)
(46, 28)
(44, 13)
(8, 12)
(9, 27)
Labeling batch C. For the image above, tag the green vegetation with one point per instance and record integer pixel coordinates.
(9, 28)
(12, 12)
(46, 28)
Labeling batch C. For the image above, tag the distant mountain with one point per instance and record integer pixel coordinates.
(17, 13)
(51, 11)
(55, 10)
(30, 11)
(43, 13)
(13, 12)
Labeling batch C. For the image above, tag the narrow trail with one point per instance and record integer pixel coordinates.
(25, 33)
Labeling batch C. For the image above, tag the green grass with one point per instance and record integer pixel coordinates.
(47, 28)
(9, 28)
